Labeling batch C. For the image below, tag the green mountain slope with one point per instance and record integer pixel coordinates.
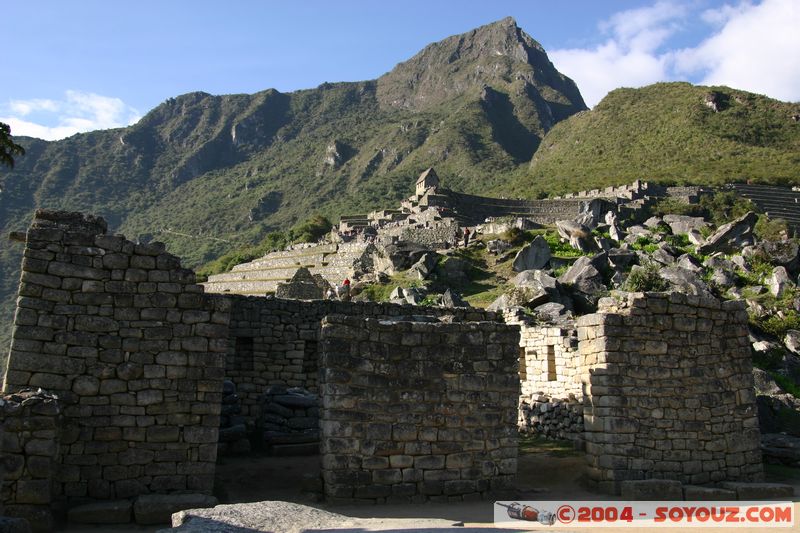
(672, 132)
(207, 174)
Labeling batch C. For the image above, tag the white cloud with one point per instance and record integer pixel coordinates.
(77, 112)
(756, 49)
(628, 56)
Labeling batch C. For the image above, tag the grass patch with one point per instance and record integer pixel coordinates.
(483, 298)
(538, 444)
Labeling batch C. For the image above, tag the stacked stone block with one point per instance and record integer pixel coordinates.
(552, 418)
(289, 416)
(415, 411)
(133, 348)
(669, 391)
(278, 339)
(31, 424)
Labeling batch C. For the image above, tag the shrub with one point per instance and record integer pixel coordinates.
(777, 324)
(312, 229)
(674, 206)
(559, 248)
(768, 229)
(645, 279)
(514, 235)
(723, 207)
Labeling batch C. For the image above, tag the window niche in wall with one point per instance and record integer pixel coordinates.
(550, 354)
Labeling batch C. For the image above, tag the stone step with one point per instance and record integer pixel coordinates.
(283, 450)
(258, 274)
(277, 262)
(260, 288)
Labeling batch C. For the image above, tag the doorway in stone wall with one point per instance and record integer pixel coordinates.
(283, 462)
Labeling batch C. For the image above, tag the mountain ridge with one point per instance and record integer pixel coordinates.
(207, 173)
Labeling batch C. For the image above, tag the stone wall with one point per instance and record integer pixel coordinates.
(274, 341)
(549, 359)
(133, 349)
(478, 208)
(30, 431)
(552, 418)
(415, 411)
(434, 234)
(669, 391)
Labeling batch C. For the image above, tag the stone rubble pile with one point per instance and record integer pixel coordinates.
(289, 420)
(233, 431)
(552, 418)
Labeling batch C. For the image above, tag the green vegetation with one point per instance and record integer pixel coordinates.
(665, 133)
(776, 324)
(8, 148)
(311, 230)
(644, 243)
(273, 241)
(723, 207)
(223, 179)
(645, 279)
(557, 448)
(770, 229)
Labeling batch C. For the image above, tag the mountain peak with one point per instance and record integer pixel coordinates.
(498, 55)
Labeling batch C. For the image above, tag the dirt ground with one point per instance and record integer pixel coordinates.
(544, 473)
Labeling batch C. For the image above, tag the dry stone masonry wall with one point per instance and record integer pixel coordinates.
(30, 431)
(415, 411)
(134, 350)
(669, 391)
(274, 341)
(551, 391)
(552, 418)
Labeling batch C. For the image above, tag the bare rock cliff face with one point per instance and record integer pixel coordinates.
(500, 55)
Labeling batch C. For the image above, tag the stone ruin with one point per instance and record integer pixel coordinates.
(415, 403)
(662, 385)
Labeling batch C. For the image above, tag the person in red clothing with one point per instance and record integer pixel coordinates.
(345, 289)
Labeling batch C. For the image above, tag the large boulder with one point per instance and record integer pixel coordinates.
(664, 254)
(454, 270)
(695, 237)
(499, 304)
(413, 295)
(497, 246)
(620, 259)
(532, 256)
(451, 298)
(552, 312)
(685, 281)
(616, 233)
(779, 282)
(398, 256)
(683, 224)
(792, 341)
(578, 235)
(688, 262)
(731, 237)
(533, 288)
(781, 253)
(584, 282)
(425, 266)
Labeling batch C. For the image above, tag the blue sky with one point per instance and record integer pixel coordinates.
(78, 66)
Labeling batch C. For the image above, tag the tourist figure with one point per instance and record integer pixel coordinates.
(466, 237)
(330, 294)
(345, 292)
